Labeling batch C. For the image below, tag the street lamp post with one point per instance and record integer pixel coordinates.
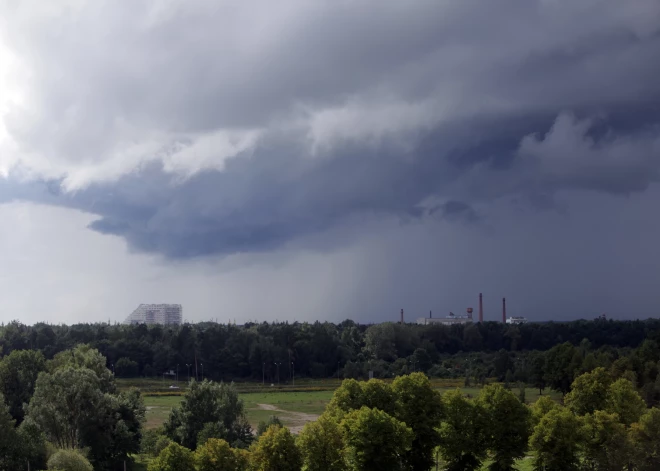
(263, 375)
(177, 373)
(278, 372)
(293, 374)
(188, 371)
(113, 368)
(202, 365)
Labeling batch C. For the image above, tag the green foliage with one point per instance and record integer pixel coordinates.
(507, 426)
(69, 460)
(85, 357)
(18, 376)
(321, 446)
(208, 402)
(263, 425)
(588, 392)
(126, 368)
(174, 457)
(645, 436)
(65, 403)
(377, 394)
(380, 341)
(421, 408)
(463, 437)
(607, 446)
(557, 441)
(217, 455)
(560, 366)
(9, 445)
(33, 447)
(275, 450)
(540, 408)
(347, 397)
(375, 441)
(622, 399)
(153, 441)
(71, 409)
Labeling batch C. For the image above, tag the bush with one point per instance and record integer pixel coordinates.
(263, 426)
(69, 460)
(173, 458)
(153, 442)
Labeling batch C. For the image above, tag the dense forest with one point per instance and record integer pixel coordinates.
(320, 350)
(61, 409)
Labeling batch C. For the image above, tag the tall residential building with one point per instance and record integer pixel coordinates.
(156, 314)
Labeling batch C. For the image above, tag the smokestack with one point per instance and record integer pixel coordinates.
(401, 316)
(481, 308)
(430, 314)
(504, 310)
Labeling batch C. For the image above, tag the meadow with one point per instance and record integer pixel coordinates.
(294, 405)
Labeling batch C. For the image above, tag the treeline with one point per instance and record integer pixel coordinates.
(406, 424)
(316, 350)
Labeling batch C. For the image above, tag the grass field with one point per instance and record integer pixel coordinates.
(294, 406)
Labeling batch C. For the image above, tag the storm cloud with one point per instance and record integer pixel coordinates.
(201, 129)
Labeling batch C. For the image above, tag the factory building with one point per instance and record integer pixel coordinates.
(451, 319)
(516, 320)
(163, 314)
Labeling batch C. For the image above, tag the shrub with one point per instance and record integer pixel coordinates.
(69, 460)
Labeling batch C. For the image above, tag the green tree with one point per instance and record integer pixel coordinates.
(174, 457)
(217, 455)
(69, 460)
(507, 426)
(150, 440)
(421, 408)
(70, 409)
(557, 441)
(321, 445)
(540, 408)
(18, 376)
(645, 436)
(65, 404)
(560, 366)
(264, 424)
(275, 450)
(346, 397)
(32, 445)
(375, 441)
(537, 371)
(208, 402)
(463, 437)
(622, 399)
(84, 356)
(9, 443)
(377, 394)
(588, 392)
(380, 340)
(607, 446)
(126, 368)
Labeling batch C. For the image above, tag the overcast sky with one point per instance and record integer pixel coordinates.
(330, 159)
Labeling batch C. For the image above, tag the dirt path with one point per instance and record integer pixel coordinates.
(294, 420)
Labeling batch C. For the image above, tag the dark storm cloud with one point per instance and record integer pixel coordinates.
(360, 110)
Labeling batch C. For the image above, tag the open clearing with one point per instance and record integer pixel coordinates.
(294, 408)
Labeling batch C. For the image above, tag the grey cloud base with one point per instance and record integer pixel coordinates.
(205, 128)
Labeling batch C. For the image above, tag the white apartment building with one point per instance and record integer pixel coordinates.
(156, 314)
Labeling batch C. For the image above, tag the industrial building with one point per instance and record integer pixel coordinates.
(451, 319)
(516, 320)
(163, 314)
